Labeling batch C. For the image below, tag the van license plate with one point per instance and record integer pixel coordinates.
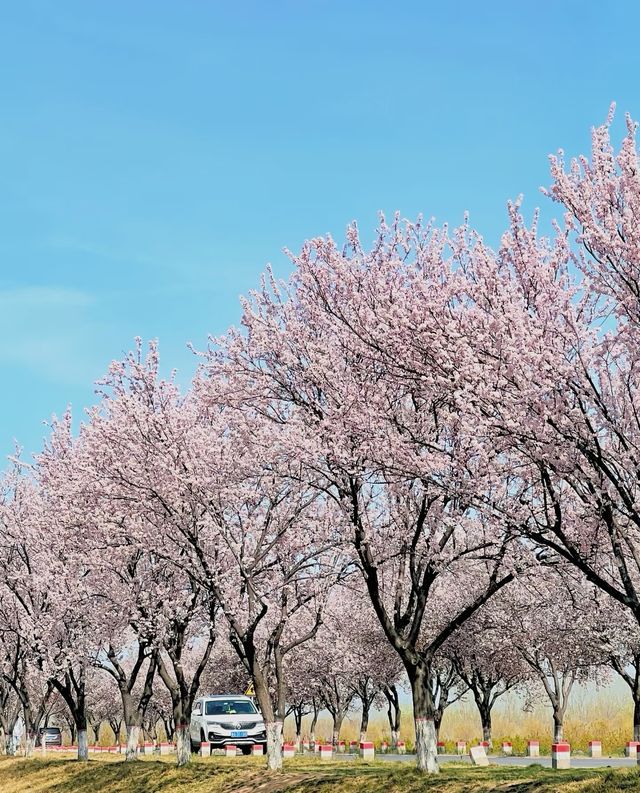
(238, 733)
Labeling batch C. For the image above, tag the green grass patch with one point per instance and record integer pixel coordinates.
(111, 774)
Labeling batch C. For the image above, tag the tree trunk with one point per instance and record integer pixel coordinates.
(297, 716)
(71, 687)
(31, 724)
(338, 718)
(423, 715)
(83, 744)
(558, 726)
(133, 708)
(115, 729)
(485, 720)
(9, 744)
(273, 725)
(43, 744)
(636, 715)
(183, 744)
(364, 722)
(168, 728)
(274, 744)
(133, 736)
(313, 725)
(437, 723)
(29, 744)
(393, 714)
(182, 693)
(150, 730)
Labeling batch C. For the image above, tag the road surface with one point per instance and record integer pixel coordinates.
(576, 762)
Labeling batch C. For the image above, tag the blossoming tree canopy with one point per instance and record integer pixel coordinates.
(559, 361)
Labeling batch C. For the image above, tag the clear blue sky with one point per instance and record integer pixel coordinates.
(156, 155)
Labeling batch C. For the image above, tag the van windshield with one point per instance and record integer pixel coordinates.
(228, 707)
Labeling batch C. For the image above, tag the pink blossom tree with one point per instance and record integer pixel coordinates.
(131, 670)
(160, 710)
(554, 622)
(122, 479)
(104, 704)
(264, 547)
(115, 575)
(325, 359)
(42, 630)
(370, 662)
(487, 661)
(447, 688)
(225, 671)
(302, 691)
(555, 335)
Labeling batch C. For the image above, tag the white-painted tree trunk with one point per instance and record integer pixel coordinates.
(298, 742)
(83, 745)
(363, 736)
(183, 745)
(133, 735)
(43, 745)
(9, 745)
(29, 745)
(274, 745)
(395, 737)
(426, 746)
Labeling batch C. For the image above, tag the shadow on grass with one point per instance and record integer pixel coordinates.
(70, 776)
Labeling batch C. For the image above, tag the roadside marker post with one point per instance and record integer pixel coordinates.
(560, 755)
(367, 750)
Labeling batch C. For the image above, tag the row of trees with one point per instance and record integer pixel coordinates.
(446, 432)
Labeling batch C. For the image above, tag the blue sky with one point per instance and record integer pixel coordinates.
(156, 155)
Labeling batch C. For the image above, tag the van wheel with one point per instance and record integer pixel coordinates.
(246, 749)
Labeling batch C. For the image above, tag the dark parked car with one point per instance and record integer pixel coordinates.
(52, 736)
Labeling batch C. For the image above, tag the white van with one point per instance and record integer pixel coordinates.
(227, 719)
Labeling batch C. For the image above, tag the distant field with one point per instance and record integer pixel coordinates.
(603, 714)
(247, 775)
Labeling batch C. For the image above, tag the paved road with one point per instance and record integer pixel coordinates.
(576, 762)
